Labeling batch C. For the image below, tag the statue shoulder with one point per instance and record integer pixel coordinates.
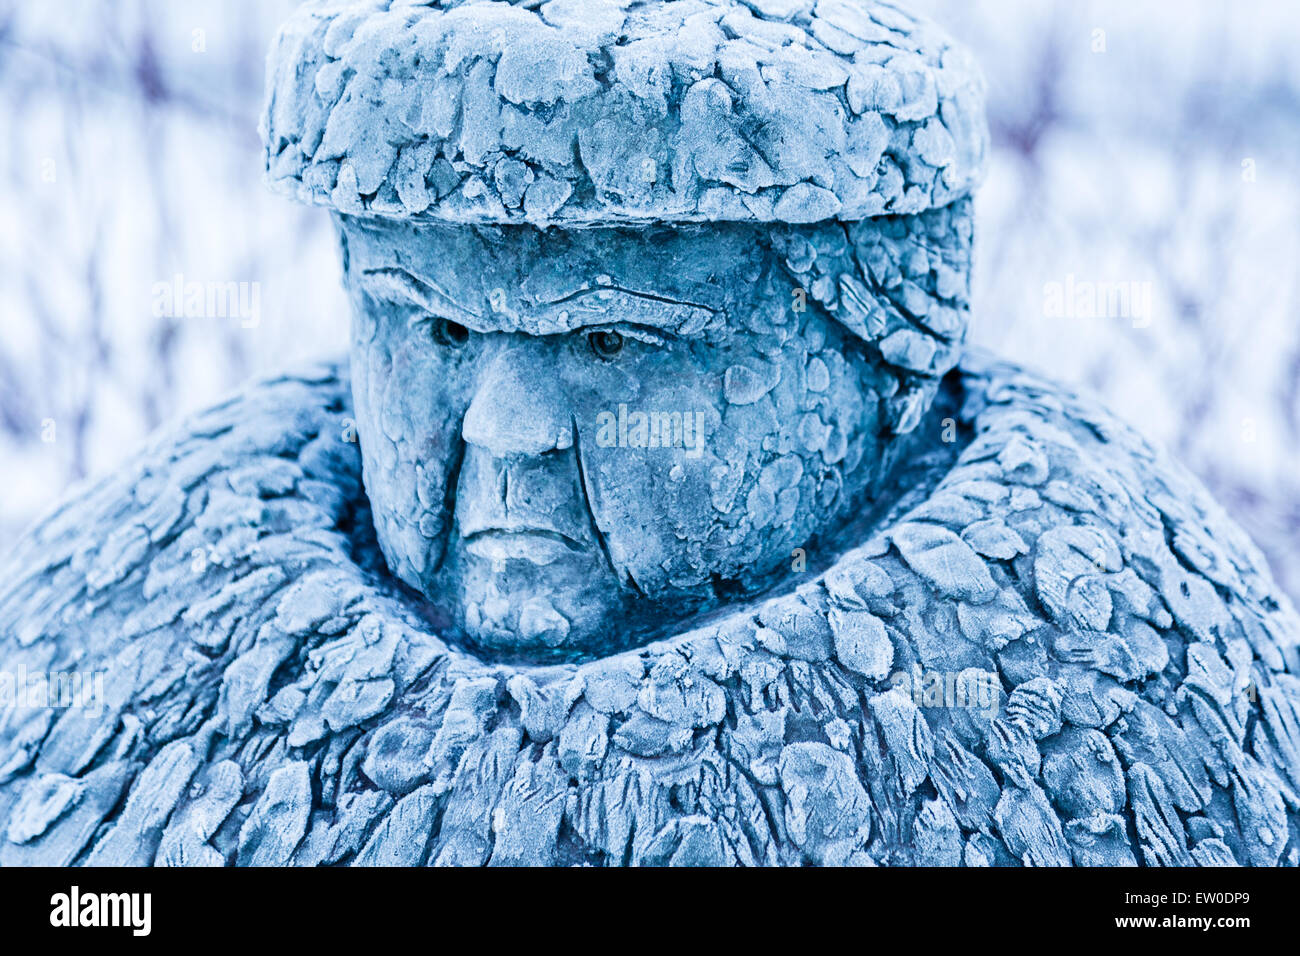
(1079, 481)
(1140, 659)
(170, 601)
(179, 509)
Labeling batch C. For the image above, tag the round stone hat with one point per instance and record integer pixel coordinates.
(605, 112)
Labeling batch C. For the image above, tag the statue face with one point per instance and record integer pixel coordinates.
(571, 436)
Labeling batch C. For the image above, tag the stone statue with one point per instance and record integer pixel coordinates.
(660, 518)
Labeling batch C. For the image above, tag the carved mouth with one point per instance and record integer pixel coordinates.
(538, 545)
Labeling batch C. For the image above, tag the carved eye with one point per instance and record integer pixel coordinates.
(605, 344)
(449, 333)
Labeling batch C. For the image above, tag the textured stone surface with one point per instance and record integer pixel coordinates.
(485, 402)
(273, 697)
(602, 111)
(1021, 635)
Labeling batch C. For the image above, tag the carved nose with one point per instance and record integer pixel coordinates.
(518, 409)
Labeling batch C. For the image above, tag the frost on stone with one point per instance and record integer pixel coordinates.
(625, 111)
(802, 407)
(773, 734)
(275, 692)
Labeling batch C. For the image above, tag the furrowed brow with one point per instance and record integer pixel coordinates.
(609, 304)
(397, 282)
(583, 308)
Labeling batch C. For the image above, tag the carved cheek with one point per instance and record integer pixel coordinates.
(408, 411)
(648, 459)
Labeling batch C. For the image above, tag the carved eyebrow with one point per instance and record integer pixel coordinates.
(425, 294)
(667, 300)
(584, 308)
(678, 316)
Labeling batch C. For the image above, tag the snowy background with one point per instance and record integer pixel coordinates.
(1137, 142)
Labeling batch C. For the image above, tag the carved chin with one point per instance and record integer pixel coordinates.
(534, 595)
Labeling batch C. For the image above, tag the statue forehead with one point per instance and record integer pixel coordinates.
(688, 280)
